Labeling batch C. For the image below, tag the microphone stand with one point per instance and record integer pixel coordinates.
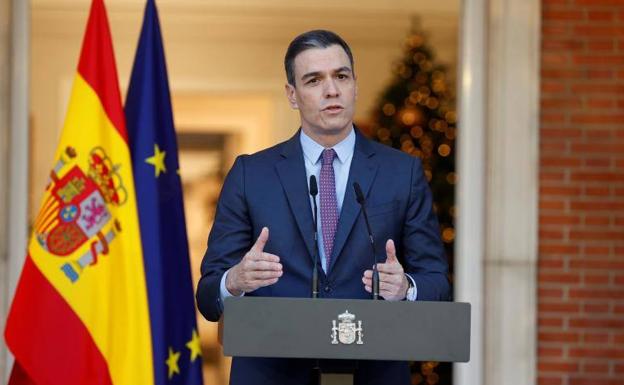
(360, 198)
(314, 193)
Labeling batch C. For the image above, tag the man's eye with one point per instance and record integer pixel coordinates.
(342, 76)
(312, 81)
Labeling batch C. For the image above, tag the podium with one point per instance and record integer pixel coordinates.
(346, 329)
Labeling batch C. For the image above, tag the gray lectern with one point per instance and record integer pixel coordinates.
(346, 329)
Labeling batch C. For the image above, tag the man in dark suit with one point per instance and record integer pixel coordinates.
(268, 191)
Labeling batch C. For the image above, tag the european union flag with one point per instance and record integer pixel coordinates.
(153, 145)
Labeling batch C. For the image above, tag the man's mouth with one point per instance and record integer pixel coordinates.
(333, 108)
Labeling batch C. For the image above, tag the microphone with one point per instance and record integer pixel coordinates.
(359, 195)
(314, 193)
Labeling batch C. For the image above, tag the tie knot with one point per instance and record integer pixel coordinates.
(328, 156)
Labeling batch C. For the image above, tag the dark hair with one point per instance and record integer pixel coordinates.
(317, 38)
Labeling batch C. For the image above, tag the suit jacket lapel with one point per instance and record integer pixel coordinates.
(363, 170)
(292, 174)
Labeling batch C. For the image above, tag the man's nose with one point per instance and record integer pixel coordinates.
(331, 89)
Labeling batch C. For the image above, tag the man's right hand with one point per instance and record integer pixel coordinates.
(257, 268)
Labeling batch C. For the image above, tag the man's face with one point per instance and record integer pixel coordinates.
(325, 91)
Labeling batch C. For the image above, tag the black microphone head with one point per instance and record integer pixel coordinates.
(313, 186)
(359, 195)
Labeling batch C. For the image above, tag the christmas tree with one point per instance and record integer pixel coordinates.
(416, 114)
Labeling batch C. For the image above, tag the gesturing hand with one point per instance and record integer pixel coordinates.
(257, 268)
(393, 283)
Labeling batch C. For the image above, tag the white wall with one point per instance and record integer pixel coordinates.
(14, 134)
(496, 259)
(4, 178)
(224, 47)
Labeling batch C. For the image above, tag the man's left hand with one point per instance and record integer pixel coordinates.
(393, 283)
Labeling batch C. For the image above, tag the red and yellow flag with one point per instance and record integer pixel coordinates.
(80, 313)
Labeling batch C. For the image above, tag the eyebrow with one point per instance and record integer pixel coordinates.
(317, 73)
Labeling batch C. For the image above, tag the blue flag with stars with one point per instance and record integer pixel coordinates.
(153, 146)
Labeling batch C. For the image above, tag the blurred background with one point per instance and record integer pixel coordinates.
(515, 107)
(226, 73)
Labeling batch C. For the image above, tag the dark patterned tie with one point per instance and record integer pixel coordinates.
(329, 205)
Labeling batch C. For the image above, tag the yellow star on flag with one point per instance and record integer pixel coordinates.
(194, 346)
(172, 362)
(157, 160)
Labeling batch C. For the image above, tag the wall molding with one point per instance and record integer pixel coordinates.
(5, 105)
(497, 193)
(18, 151)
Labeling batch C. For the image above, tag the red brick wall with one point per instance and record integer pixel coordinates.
(581, 239)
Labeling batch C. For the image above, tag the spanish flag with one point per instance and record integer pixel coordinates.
(80, 314)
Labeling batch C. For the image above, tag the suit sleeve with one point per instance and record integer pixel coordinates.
(423, 250)
(229, 240)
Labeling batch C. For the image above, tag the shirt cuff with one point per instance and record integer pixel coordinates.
(224, 291)
(412, 294)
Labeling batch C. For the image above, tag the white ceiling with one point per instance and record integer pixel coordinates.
(403, 6)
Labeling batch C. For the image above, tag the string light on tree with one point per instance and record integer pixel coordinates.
(416, 114)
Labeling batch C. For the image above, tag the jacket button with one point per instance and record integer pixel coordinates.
(327, 289)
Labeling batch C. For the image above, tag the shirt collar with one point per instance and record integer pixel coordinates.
(312, 150)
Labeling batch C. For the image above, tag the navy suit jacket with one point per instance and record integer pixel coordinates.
(270, 189)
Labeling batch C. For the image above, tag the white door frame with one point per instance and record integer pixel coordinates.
(497, 191)
(15, 224)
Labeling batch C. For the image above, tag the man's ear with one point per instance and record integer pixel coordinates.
(290, 94)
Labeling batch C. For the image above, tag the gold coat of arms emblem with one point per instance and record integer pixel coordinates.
(346, 331)
(76, 211)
